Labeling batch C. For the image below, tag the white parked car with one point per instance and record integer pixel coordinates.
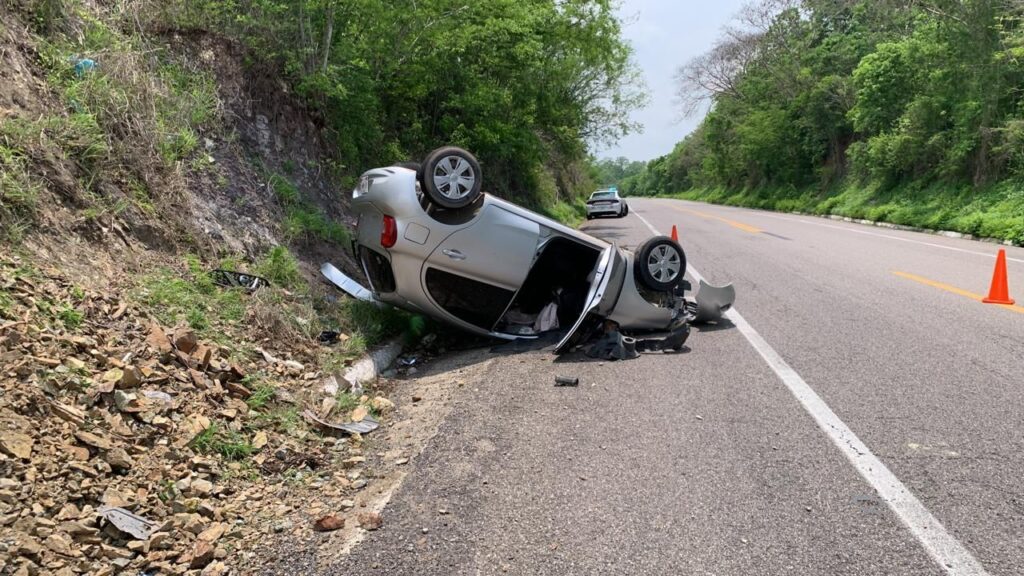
(606, 203)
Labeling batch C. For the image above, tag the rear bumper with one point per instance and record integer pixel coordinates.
(600, 209)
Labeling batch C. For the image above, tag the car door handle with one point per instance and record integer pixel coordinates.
(453, 254)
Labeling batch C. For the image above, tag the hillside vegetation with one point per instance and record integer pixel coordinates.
(525, 85)
(905, 111)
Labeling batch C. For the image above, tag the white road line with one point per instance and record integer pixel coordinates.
(879, 235)
(946, 550)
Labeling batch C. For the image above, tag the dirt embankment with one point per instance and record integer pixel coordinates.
(134, 160)
(105, 178)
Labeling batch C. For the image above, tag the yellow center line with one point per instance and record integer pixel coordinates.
(954, 290)
(733, 223)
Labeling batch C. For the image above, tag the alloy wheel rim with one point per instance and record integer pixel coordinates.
(454, 177)
(664, 263)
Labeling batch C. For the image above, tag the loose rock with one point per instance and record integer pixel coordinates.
(370, 520)
(202, 554)
(16, 444)
(329, 523)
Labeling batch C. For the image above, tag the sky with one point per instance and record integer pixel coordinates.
(665, 34)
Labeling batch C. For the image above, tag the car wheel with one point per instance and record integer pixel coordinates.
(626, 211)
(660, 264)
(451, 177)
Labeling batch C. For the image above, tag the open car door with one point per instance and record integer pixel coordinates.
(604, 292)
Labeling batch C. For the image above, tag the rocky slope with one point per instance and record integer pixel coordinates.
(152, 421)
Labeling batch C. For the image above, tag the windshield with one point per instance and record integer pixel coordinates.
(601, 195)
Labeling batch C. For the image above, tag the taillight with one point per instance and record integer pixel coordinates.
(388, 232)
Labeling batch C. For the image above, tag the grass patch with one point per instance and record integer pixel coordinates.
(283, 419)
(6, 304)
(137, 106)
(175, 145)
(995, 211)
(141, 197)
(137, 110)
(374, 325)
(70, 317)
(192, 297)
(334, 360)
(289, 310)
(307, 224)
(303, 221)
(19, 190)
(280, 267)
(366, 325)
(347, 402)
(145, 100)
(265, 414)
(229, 444)
(262, 393)
(285, 192)
(569, 213)
(73, 137)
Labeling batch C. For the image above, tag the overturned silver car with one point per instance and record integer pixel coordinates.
(430, 241)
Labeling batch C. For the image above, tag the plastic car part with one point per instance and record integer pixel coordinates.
(451, 177)
(660, 263)
(365, 425)
(713, 301)
(232, 279)
(350, 286)
(613, 346)
(136, 526)
(329, 337)
(675, 341)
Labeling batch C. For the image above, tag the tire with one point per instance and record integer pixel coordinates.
(660, 264)
(451, 177)
(626, 211)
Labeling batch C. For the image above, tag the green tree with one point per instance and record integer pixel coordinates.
(898, 91)
(527, 85)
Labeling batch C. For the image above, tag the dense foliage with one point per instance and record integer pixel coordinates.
(524, 84)
(613, 171)
(812, 100)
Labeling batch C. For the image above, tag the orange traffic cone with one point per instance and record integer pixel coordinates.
(675, 235)
(1000, 291)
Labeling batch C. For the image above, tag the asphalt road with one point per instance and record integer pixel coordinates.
(707, 462)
